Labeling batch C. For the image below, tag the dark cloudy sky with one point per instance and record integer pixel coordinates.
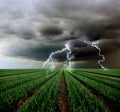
(31, 29)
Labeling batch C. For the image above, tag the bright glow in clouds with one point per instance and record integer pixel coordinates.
(68, 55)
(52, 60)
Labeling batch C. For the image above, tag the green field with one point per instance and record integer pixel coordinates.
(60, 90)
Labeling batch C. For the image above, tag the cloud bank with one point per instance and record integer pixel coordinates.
(32, 29)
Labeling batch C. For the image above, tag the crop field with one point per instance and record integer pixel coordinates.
(60, 90)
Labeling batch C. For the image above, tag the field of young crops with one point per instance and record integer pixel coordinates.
(60, 90)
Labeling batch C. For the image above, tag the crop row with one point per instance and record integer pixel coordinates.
(39, 91)
(109, 72)
(81, 100)
(17, 77)
(17, 72)
(105, 80)
(11, 97)
(8, 84)
(21, 76)
(45, 100)
(111, 95)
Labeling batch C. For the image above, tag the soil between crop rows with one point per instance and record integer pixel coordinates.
(108, 104)
(23, 101)
(95, 93)
(20, 74)
(63, 96)
(103, 75)
(62, 104)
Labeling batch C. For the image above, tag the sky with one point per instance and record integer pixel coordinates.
(32, 29)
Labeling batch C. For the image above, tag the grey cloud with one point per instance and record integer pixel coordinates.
(83, 10)
(79, 16)
(82, 51)
(22, 31)
(15, 19)
(49, 24)
(51, 31)
(112, 61)
(37, 52)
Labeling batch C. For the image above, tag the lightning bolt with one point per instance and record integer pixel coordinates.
(52, 60)
(94, 44)
(67, 46)
(100, 54)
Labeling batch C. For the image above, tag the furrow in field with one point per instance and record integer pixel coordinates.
(13, 75)
(18, 84)
(45, 100)
(80, 97)
(5, 80)
(106, 76)
(94, 93)
(109, 95)
(103, 75)
(11, 97)
(63, 96)
(23, 101)
(114, 83)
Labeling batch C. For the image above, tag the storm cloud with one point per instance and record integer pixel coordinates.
(51, 31)
(32, 29)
